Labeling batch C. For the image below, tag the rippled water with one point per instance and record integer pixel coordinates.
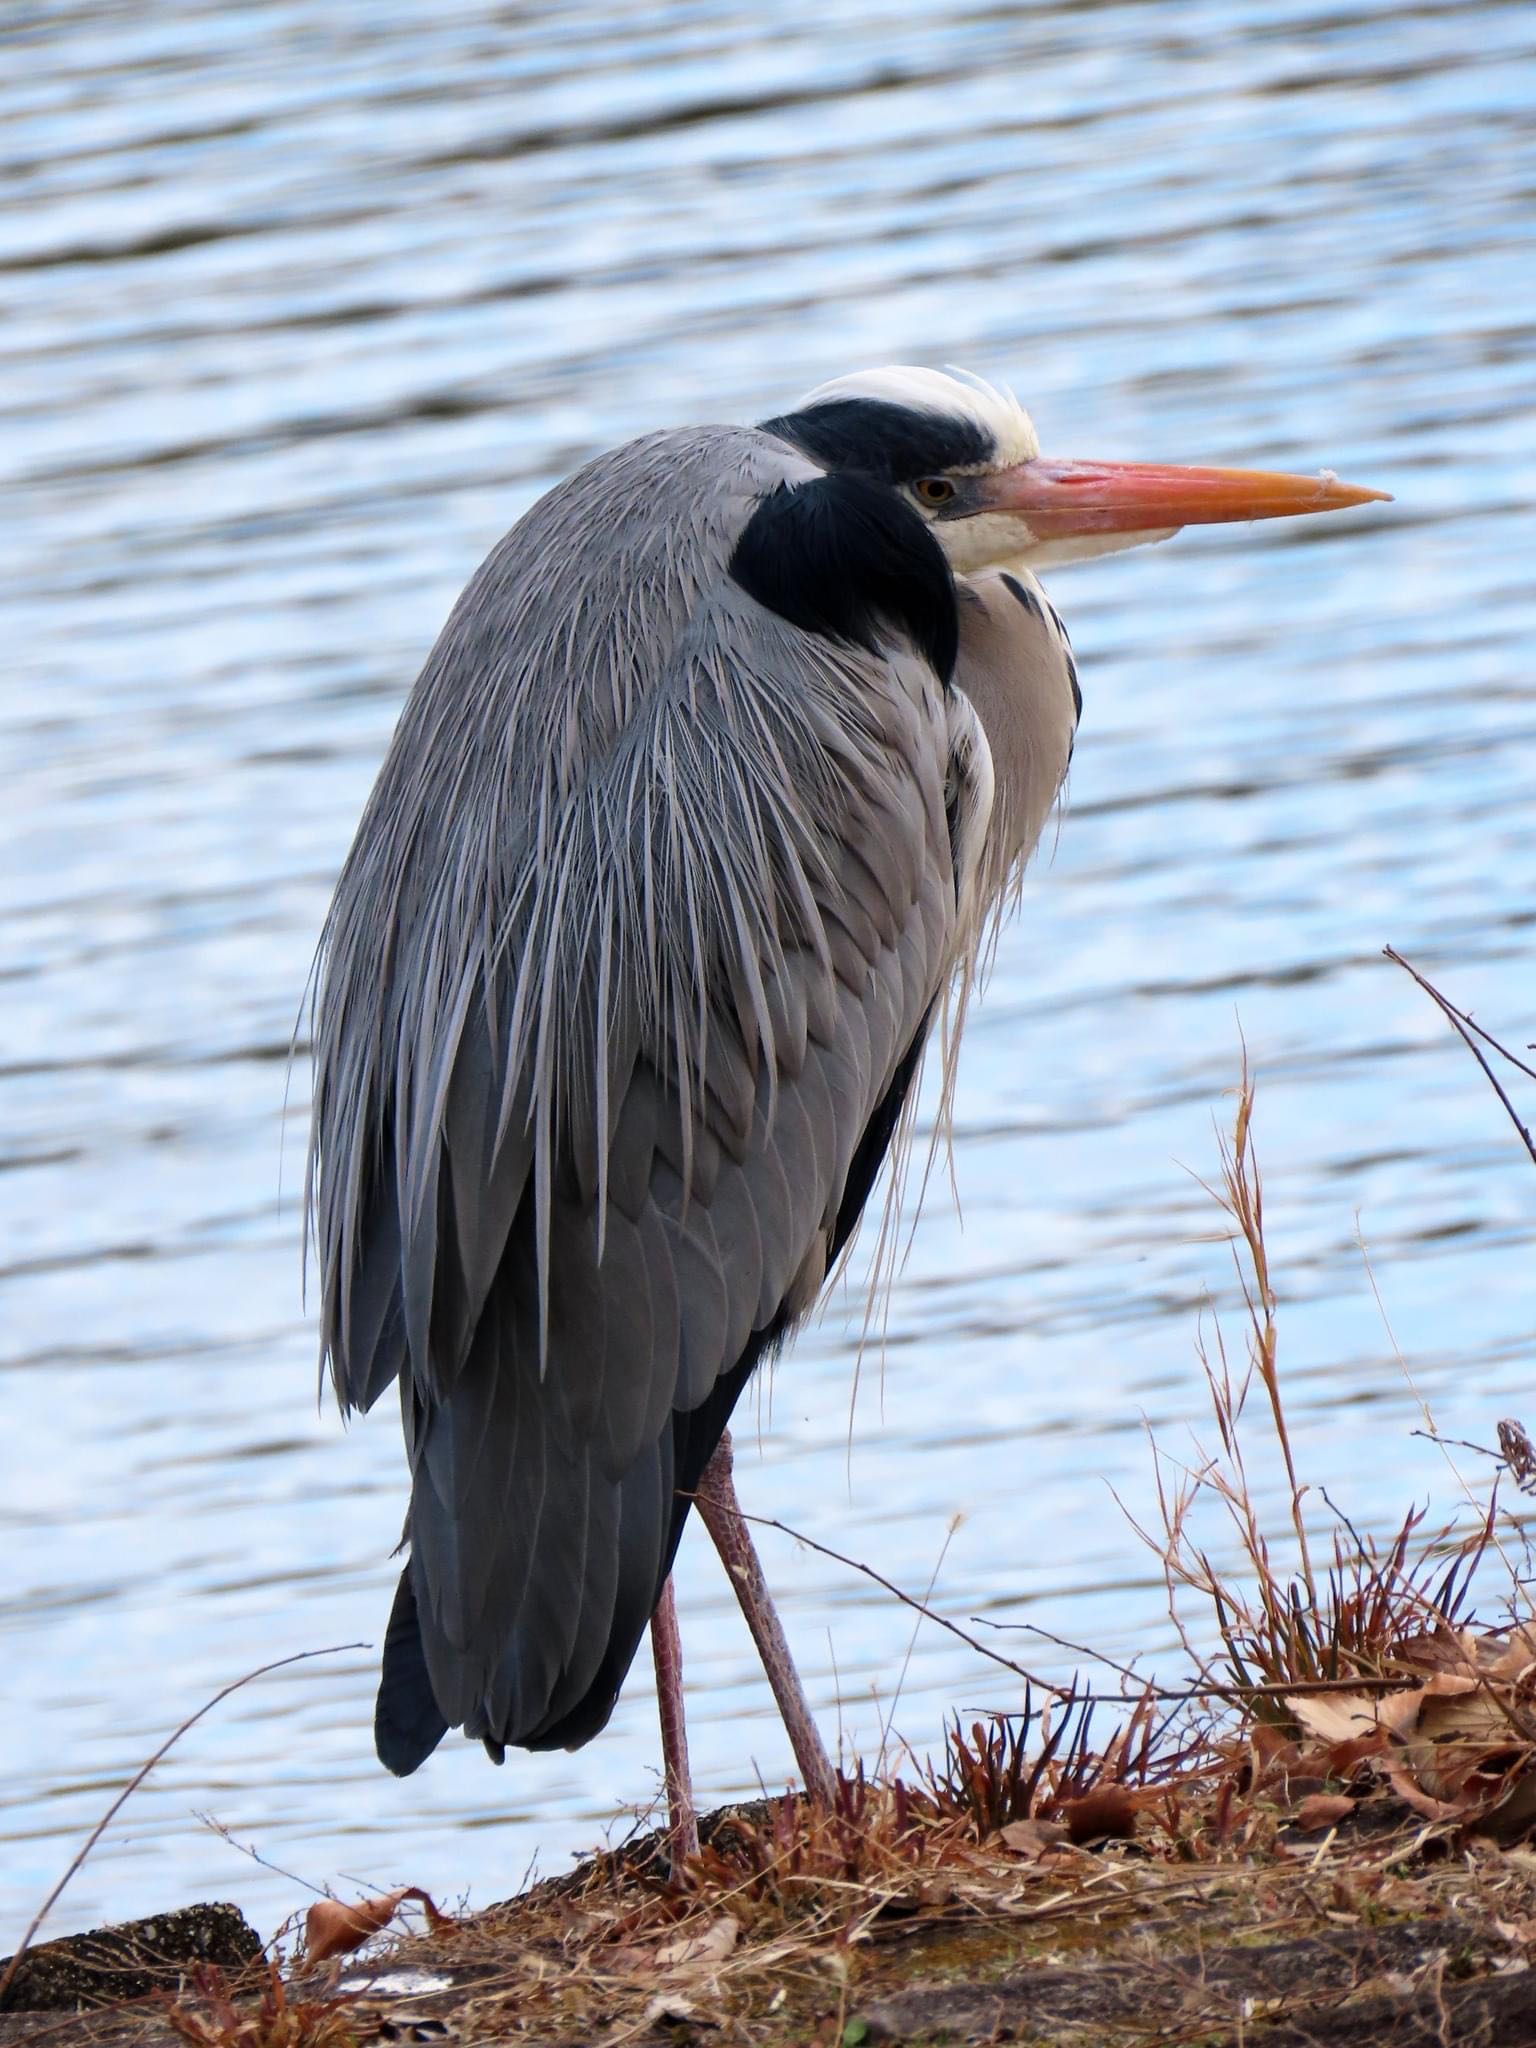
(300, 309)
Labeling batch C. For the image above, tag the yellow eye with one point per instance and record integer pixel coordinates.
(934, 490)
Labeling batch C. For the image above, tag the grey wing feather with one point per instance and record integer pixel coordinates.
(605, 1016)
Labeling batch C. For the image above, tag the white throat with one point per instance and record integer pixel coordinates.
(999, 540)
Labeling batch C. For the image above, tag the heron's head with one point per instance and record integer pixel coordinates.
(966, 457)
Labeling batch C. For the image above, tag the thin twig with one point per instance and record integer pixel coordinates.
(1466, 1017)
(906, 1662)
(1215, 1688)
(1469, 1031)
(133, 1784)
(217, 1827)
(1033, 1628)
(1433, 1436)
(907, 1599)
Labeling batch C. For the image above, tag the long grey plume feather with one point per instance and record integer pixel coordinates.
(503, 807)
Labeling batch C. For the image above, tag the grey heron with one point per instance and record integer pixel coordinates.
(694, 822)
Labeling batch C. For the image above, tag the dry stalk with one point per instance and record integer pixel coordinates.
(1289, 1632)
(1245, 1203)
(133, 1784)
(1470, 1031)
(213, 2017)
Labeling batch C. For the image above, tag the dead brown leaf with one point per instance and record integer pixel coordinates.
(1323, 1810)
(1471, 1748)
(668, 2009)
(713, 1945)
(333, 1928)
(1513, 1816)
(1439, 1649)
(1476, 1715)
(1415, 1796)
(1452, 1684)
(1033, 1839)
(1344, 1758)
(1272, 1750)
(1345, 1717)
(1106, 1814)
(1513, 1663)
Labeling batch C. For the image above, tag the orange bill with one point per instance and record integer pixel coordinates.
(1061, 499)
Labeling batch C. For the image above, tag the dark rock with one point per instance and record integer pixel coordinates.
(113, 1963)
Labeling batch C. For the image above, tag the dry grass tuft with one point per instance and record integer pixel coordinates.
(1370, 1677)
(990, 1779)
(1294, 1625)
(214, 2014)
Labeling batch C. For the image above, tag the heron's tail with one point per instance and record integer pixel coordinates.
(407, 1725)
(564, 1708)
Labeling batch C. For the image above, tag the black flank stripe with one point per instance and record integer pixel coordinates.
(1026, 597)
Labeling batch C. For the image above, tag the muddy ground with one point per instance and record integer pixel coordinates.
(1379, 1930)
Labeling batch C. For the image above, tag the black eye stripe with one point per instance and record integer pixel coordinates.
(873, 437)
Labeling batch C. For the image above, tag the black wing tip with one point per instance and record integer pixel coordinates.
(407, 1721)
(404, 1746)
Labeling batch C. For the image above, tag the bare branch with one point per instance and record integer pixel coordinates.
(1470, 1032)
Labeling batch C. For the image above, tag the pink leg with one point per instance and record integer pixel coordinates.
(667, 1648)
(720, 1512)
